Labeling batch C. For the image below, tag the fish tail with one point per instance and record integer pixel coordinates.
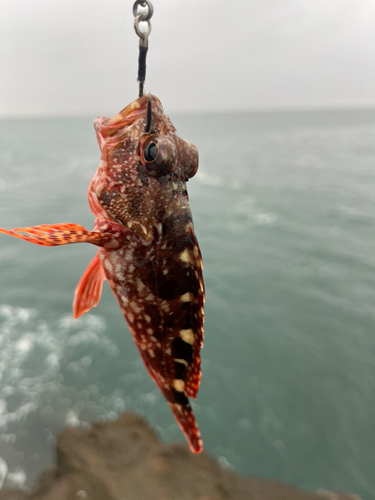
(186, 420)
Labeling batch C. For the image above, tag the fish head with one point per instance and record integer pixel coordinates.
(143, 170)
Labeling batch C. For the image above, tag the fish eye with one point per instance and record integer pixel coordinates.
(151, 152)
(158, 156)
(189, 157)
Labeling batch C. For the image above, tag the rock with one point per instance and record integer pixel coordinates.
(13, 495)
(125, 460)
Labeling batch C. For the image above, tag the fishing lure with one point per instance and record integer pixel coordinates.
(147, 251)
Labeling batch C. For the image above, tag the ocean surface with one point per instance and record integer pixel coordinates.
(284, 212)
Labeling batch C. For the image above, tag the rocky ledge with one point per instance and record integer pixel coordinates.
(125, 460)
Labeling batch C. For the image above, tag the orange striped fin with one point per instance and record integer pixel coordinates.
(51, 235)
(89, 289)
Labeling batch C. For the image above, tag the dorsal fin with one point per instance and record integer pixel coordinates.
(194, 376)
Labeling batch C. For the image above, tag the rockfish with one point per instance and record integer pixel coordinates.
(147, 249)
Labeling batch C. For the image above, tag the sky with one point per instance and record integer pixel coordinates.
(79, 57)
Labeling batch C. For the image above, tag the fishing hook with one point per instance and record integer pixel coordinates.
(149, 114)
(143, 38)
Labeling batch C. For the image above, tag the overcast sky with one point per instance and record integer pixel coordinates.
(79, 57)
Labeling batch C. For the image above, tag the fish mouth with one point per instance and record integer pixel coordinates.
(107, 127)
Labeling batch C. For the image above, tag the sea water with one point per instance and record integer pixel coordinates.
(283, 206)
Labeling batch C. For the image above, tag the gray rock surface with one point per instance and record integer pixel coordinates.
(125, 460)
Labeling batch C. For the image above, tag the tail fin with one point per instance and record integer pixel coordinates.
(186, 420)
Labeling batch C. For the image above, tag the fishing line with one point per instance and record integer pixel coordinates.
(143, 17)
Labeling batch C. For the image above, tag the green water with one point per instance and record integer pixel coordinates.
(284, 212)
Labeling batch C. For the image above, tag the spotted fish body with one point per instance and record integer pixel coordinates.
(147, 251)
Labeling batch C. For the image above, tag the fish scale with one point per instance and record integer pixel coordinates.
(147, 249)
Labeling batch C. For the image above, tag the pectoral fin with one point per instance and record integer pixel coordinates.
(89, 289)
(51, 235)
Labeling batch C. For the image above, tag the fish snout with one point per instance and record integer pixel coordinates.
(97, 126)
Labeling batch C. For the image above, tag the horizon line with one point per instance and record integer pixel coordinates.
(317, 109)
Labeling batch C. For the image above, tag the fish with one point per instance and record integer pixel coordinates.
(147, 248)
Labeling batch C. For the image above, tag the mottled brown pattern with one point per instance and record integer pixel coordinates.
(157, 276)
(148, 251)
